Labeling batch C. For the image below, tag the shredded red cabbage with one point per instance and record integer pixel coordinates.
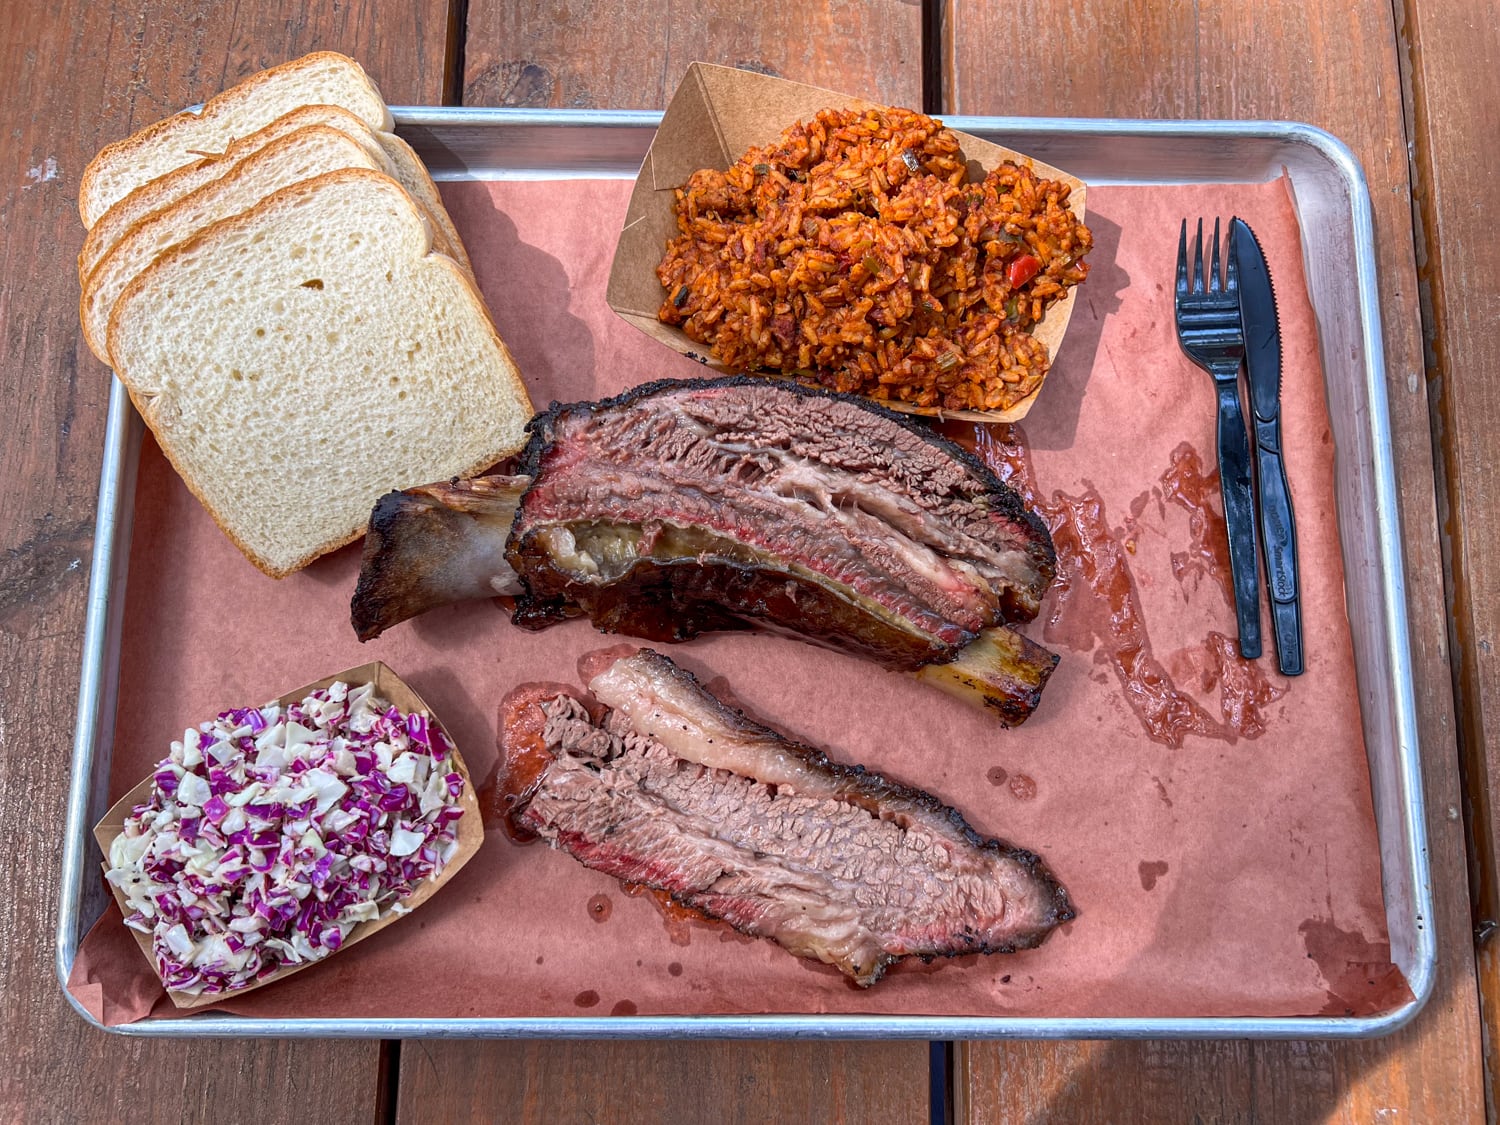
(272, 832)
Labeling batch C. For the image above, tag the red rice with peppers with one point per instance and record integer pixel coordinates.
(854, 251)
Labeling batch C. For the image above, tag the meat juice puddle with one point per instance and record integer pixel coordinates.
(680, 921)
(1096, 603)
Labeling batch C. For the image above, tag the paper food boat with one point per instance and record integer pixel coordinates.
(470, 829)
(715, 115)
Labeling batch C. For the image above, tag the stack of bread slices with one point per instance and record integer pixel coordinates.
(277, 284)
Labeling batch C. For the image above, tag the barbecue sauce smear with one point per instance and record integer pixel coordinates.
(1096, 603)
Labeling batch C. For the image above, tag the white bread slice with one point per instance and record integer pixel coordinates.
(301, 359)
(411, 174)
(166, 190)
(323, 78)
(163, 191)
(297, 156)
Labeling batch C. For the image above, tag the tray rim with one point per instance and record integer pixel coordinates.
(123, 429)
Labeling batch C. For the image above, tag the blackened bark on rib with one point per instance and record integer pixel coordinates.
(434, 545)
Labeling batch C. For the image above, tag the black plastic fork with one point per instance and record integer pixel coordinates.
(1209, 331)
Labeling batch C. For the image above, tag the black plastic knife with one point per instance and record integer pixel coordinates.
(1278, 525)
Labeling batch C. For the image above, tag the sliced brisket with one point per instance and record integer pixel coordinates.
(656, 782)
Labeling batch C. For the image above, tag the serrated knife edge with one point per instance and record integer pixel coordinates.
(1260, 316)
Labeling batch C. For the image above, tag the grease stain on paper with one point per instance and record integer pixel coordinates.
(1096, 601)
(1358, 973)
(679, 920)
(1161, 791)
(1193, 489)
(1150, 872)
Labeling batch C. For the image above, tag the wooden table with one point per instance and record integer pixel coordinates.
(1409, 85)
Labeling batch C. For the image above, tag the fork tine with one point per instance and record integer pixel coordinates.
(1214, 285)
(1182, 274)
(1198, 259)
(1231, 270)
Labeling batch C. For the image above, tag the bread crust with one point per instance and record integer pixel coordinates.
(93, 200)
(142, 200)
(145, 401)
(390, 152)
(421, 188)
(95, 317)
(92, 313)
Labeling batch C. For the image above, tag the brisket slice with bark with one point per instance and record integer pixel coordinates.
(683, 507)
(655, 782)
(680, 505)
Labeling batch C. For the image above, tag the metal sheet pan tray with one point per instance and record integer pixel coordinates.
(1333, 206)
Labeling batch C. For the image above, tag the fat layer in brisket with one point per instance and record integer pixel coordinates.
(671, 789)
(848, 510)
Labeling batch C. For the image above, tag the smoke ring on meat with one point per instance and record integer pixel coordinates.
(846, 495)
(656, 782)
(688, 506)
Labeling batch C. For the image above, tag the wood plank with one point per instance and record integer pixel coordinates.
(622, 55)
(1337, 67)
(1453, 55)
(562, 55)
(537, 1083)
(73, 77)
(1054, 1083)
